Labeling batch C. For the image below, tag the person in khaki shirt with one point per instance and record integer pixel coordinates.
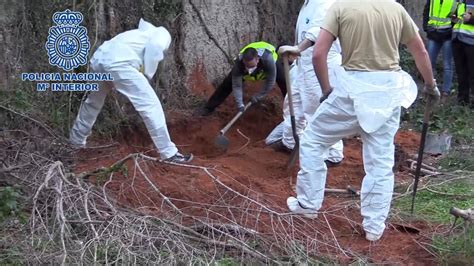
(364, 98)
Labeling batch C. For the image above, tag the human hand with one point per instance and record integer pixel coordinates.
(431, 90)
(254, 99)
(326, 94)
(241, 109)
(467, 16)
(454, 18)
(290, 49)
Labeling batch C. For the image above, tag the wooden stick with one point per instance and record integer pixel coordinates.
(349, 190)
(413, 165)
(467, 215)
(425, 172)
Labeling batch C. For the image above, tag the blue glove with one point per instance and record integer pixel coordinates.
(241, 109)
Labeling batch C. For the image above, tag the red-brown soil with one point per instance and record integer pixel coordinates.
(259, 173)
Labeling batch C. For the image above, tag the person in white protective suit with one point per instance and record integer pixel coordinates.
(124, 57)
(306, 90)
(364, 98)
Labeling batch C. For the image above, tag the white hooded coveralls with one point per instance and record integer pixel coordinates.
(365, 104)
(123, 56)
(306, 90)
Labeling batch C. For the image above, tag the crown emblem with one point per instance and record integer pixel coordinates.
(67, 18)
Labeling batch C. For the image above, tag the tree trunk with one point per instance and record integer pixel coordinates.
(207, 34)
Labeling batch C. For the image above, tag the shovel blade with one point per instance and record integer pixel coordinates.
(221, 142)
(293, 157)
(437, 143)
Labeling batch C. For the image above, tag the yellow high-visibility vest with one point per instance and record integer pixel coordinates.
(261, 45)
(440, 13)
(462, 30)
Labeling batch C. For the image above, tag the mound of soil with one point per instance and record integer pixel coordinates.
(250, 175)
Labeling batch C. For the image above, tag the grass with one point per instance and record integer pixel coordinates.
(447, 118)
(459, 159)
(457, 247)
(456, 250)
(433, 206)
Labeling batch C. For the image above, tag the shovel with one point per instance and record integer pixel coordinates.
(294, 153)
(419, 160)
(222, 141)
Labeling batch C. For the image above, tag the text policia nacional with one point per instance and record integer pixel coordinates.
(67, 81)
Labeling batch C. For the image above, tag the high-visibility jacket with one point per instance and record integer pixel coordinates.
(440, 13)
(260, 47)
(463, 31)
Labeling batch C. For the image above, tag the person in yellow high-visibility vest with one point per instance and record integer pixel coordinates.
(463, 50)
(256, 61)
(438, 28)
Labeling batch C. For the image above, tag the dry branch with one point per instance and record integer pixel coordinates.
(466, 215)
(74, 220)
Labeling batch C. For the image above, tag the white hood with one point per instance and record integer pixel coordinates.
(159, 40)
(159, 35)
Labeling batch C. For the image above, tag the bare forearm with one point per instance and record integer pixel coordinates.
(321, 68)
(424, 66)
(305, 44)
(422, 60)
(320, 57)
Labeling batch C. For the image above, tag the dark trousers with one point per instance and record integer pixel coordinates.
(225, 88)
(464, 61)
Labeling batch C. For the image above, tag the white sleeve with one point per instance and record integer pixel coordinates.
(152, 56)
(312, 34)
(317, 19)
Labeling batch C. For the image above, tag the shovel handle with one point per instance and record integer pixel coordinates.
(295, 152)
(286, 68)
(419, 159)
(234, 119)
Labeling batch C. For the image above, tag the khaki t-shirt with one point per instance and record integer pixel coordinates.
(370, 32)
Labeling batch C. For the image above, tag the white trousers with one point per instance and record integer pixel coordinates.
(133, 85)
(334, 120)
(306, 93)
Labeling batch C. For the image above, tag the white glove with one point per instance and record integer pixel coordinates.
(292, 49)
(432, 91)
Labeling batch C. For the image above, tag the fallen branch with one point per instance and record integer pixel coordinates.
(102, 146)
(423, 165)
(12, 168)
(466, 215)
(349, 190)
(449, 194)
(424, 171)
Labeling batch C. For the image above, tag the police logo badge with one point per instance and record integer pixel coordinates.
(67, 45)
